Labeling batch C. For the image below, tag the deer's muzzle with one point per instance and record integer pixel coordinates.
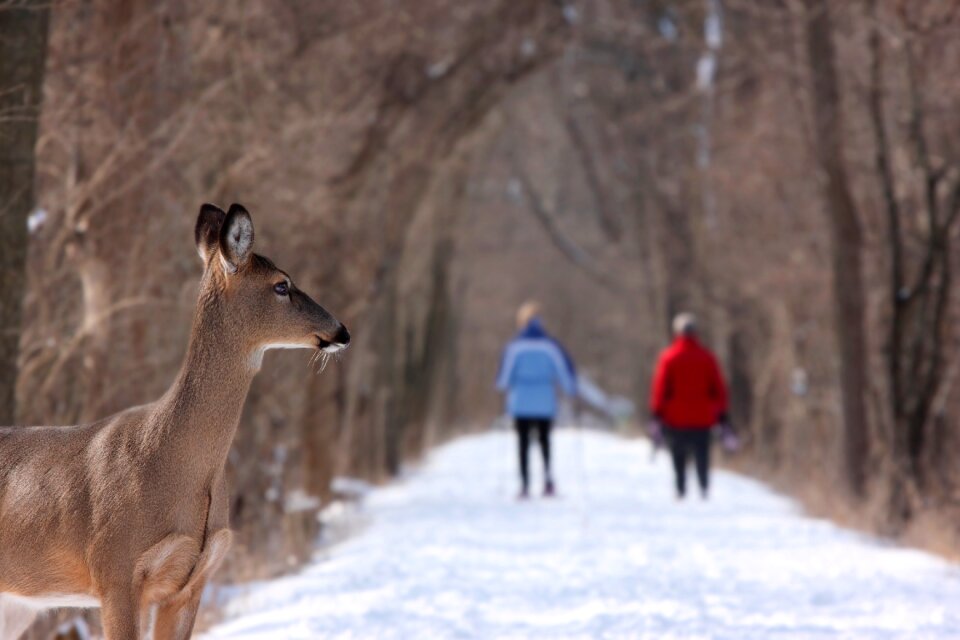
(339, 341)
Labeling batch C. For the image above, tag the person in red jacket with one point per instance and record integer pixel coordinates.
(689, 397)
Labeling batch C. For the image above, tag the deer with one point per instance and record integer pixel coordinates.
(131, 513)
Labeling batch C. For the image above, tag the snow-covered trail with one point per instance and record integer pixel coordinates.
(450, 554)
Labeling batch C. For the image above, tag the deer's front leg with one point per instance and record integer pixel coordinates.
(175, 619)
(120, 612)
(176, 615)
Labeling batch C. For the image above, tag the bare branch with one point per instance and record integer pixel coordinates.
(608, 222)
(570, 249)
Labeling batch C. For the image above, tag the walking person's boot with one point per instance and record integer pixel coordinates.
(549, 490)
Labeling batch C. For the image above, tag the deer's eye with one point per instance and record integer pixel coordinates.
(281, 289)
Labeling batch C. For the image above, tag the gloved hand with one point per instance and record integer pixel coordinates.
(655, 432)
(728, 437)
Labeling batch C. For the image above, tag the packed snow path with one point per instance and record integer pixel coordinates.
(449, 553)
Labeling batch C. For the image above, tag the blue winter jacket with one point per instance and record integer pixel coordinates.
(532, 367)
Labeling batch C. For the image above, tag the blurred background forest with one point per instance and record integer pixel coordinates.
(787, 169)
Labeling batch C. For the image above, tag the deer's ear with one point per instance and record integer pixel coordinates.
(236, 239)
(207, 232)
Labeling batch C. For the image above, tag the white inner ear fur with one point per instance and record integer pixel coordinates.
(240, 236)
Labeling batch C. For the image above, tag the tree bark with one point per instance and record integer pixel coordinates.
(846, 239)
(23, 49)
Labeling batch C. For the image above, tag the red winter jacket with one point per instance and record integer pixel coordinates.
(688, 388)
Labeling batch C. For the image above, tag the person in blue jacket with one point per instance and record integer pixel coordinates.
(533, 366)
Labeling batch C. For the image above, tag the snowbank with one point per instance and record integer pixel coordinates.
(450, 554)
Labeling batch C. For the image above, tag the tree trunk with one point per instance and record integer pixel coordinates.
(23, 49)
(846, 238)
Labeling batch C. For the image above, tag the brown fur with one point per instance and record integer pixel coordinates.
(133, 510)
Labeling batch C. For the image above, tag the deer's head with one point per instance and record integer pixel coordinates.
(253, 298)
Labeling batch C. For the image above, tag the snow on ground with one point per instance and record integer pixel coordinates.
(449, 553)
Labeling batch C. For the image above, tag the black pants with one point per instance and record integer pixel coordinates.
(542, 427)
(683, 443)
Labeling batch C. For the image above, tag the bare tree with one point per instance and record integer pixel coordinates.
(23, 50)
(846, 238)
(920, 280)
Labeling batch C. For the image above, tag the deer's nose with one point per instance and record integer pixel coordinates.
(342, 337)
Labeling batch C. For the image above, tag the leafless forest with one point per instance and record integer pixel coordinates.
(788, 169)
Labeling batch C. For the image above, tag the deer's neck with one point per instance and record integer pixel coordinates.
(199, 414)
